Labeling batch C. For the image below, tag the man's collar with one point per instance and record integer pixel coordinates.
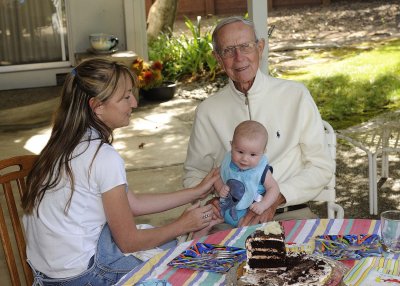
(256, 82)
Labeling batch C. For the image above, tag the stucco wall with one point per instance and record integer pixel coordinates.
(95, 16)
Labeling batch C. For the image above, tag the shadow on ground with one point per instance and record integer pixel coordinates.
(352, 188)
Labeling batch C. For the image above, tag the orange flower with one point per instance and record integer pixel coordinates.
(137, 66)
(149, 74)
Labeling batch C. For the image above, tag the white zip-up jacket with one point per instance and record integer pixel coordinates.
(297, 148)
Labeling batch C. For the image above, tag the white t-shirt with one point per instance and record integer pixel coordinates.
(60, 245)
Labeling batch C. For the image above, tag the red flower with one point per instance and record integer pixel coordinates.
(148, 76)
(157, 65)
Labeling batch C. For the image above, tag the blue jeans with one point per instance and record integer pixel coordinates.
(106, 267)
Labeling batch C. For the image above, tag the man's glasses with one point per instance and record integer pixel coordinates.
(245, 48)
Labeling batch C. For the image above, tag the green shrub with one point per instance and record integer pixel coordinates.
(185, 56)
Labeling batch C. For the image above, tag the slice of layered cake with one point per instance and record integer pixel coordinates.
(268, 264)
(265, 248)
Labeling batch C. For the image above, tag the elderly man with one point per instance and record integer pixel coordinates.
(297, 148)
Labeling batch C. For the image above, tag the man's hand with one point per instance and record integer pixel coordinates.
(252, 218)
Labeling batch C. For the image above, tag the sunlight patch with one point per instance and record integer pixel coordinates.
(396, 185)
(36, 143)
(151, 122)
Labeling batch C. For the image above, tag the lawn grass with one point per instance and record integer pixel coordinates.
(353, 85)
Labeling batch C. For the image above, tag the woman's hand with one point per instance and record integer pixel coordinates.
(195, 217)
(216, 208)
(206, 185)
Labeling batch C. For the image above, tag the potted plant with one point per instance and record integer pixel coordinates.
(151, 83)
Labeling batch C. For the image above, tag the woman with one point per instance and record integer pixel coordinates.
(79, 214)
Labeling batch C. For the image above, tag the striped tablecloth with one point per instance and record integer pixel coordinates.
(298, 233)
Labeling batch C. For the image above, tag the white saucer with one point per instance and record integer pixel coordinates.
(98, 52)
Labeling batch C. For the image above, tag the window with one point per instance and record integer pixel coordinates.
(32, 31)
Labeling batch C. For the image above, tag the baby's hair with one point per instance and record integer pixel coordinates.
(251, 129)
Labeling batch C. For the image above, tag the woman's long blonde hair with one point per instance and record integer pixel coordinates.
(92, 78)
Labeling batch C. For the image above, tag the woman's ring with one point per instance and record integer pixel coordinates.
(205, 216)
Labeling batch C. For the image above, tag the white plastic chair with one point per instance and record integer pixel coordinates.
(328, 194)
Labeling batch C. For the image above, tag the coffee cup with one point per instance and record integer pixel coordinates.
(103, 42)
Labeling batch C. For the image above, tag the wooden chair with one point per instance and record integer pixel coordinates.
(13, 172)
(328, 194)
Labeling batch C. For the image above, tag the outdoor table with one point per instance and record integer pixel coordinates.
(379, 136)
(297, 232)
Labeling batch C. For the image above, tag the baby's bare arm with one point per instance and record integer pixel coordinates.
(221, 189)
(271, 195)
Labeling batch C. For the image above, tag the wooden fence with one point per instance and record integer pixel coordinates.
(229, 7)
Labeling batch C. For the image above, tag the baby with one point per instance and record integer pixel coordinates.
(246, 178)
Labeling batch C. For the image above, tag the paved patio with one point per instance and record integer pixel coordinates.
(163, 130)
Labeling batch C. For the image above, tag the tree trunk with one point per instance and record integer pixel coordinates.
(161, 18)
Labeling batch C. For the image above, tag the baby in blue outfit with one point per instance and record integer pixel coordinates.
(246, 178)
